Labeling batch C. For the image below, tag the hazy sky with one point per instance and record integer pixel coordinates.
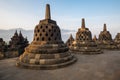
(68, 14)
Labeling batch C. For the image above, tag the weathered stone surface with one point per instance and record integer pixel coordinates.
(83, 43)
(105, 40)
(1, 55)
(70, 41)
(47, 47)
(88, 67)
(2, 45)
(3, 48)
(95, 38)
(16, 45)
(11, 54)
(117, 40)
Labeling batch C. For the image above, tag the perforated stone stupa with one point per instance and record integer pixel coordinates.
(2, 48)
(70, 41)
(105, 39)
(95, 38)
(47, 50)
(84, 43)
(16, 45)
(117, 40)
(2, 45)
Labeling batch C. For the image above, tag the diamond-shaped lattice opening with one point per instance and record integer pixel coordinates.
(43, 38)
(46, 34)
(38, 30)
(49, 39)
(49, 30)
(40, 34)
(46, 26)
(37, 38)
(40, 26)
(43, 30)
(52, 35)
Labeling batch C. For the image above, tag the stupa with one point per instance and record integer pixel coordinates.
(69, 41)
(2, 48)
(47, 50)
(95, 38)
(18, 41)
(83, 43)
(14, 40)
(16, 45)
(105, 40)
(117, 40)
(2, 45)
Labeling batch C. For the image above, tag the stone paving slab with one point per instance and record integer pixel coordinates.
(88, 67)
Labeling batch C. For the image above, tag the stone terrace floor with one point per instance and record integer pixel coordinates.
(88, 67)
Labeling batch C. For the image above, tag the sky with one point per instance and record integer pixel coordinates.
(68, 14)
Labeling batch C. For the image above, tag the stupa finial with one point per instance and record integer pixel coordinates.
(16, 34)
(105, 28)
(47, 14)
(71, 35)
(83, 23)
(95, 38)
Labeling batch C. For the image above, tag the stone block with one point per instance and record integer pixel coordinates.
(37, 56)
(42, 61)
(32, 61)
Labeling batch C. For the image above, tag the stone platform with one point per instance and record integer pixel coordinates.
(88, 67)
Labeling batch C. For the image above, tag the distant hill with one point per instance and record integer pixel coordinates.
(7, 34)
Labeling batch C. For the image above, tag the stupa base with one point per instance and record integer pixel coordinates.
(86, 51)
(108, 47)
(46, 63)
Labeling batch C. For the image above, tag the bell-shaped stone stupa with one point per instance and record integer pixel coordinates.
(105, 39)
(117, 40)
(84, 43)
(2, 48)
(69, 41)
(95, 38)
(47, 50)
